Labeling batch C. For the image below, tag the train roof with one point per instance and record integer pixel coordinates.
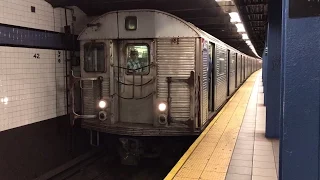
(111, 25)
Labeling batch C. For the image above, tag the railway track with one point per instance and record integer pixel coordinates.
(104, 164)
(75, 166)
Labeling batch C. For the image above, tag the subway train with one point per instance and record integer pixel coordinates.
(148, 73)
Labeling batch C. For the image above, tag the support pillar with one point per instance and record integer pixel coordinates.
(265, 69)
(273, 70)
(299, 148)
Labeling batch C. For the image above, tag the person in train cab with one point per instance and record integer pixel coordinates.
(133, 62)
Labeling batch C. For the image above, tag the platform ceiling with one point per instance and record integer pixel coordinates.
(208, 15)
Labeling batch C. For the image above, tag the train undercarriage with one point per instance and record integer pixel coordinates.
(133, 149)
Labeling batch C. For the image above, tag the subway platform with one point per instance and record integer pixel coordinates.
(233, 146)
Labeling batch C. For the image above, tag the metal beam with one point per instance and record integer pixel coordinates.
(217, 26)
(192, 9)
(209, 21)
(252, 4)
(224, 33)
(229, 37)
(220, 30)
(234, 41)
(208, 12)
(225, 17)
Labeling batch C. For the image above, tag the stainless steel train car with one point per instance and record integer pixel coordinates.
(150, 73)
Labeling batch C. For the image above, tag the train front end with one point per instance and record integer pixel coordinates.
(137, 79)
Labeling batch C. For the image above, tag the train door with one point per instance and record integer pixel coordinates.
(228, 72)
(236, 80)
(212, 52)
(135, 82)
(241, 69)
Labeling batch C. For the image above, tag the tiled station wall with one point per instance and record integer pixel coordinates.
(32, 81)
(31, 89)
(35, 135)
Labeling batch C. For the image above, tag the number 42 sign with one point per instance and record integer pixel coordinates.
(37, 56)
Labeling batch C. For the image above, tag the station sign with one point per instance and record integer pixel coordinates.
(304, 8)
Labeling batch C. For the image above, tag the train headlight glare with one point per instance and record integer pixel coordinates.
(102, 104)
(162, 107)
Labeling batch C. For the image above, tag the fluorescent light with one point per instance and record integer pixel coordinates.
(223, 0)
(234, 17)
(245, 36)
(240, 27)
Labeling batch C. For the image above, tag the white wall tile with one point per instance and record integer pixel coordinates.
(81, 19)
(35, 88)
(18, 12)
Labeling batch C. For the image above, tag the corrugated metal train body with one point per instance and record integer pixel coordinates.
(221, 79)
(256, 64)
(238, 70)
(249, 70)
(243, 68)
(247, 67)
(205, 67)
(177, 61)
(232, 72)
(251, 66)
(91, 95)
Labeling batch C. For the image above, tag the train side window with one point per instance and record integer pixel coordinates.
(94, 57)
(138, 60)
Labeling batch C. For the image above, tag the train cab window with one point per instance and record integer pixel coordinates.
(94, 57)
(138, 60)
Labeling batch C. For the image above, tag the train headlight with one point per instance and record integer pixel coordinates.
(102, 104)
(162, 107)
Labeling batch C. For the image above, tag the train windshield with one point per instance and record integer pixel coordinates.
(138, 60)
(94, 57)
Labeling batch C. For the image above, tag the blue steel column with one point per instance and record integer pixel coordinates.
(265, 69)
(273, 70)
(299, 147)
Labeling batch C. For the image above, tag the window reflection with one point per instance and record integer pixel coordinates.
(94, 57)
(137, 59)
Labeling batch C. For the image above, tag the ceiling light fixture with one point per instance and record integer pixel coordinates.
(240, 27)
(234, 17)
(245, 36)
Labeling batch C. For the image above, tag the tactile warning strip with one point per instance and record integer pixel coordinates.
(209, 156)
